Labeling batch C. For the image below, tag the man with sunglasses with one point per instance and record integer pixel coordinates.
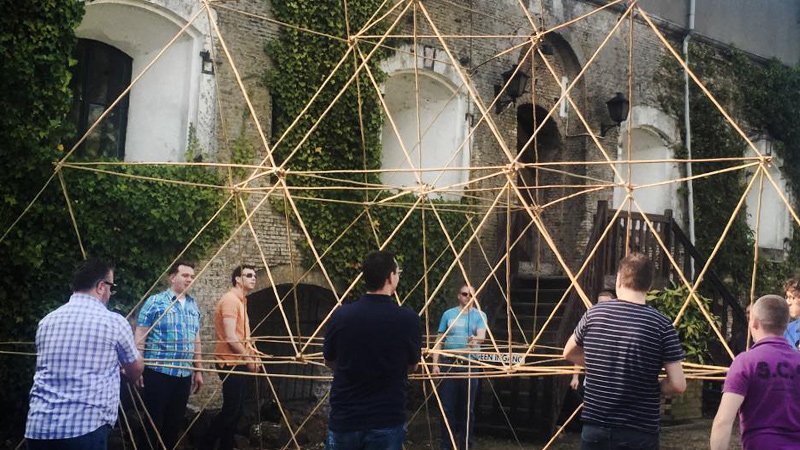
(80, 348)
(237, 354)
(462, 330)
(168, 333)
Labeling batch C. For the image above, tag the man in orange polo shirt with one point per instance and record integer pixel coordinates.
(237, 354)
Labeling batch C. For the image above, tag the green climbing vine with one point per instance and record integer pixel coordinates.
(347, 138)
(140, 225)
(766, 98)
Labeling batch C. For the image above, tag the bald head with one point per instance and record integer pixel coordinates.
(772, 313)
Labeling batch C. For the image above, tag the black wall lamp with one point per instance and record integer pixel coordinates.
(515, 84)
(617, 110)
(207, 64)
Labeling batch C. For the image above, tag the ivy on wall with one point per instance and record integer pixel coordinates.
(139, 225)
(348, 138)
(765, 98)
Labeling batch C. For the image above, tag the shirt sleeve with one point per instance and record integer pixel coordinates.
(415, 338)
(329, 344)
(443, 322)
(791, 335)
(580, 329)
(125, 347)
(482, 322)
(671, 345)
(148, 313)
(738, 380)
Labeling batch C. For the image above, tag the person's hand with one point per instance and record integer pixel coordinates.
(435, 369)
(197, 382)
(139, 383)
(574, 382)
(252, 367)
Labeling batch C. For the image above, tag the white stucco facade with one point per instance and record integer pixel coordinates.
(774, 229)
(174, 92)
(653, 133)
(426, 128)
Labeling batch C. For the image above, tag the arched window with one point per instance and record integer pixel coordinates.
(775, 226)
(430, 119)
(647, 145)
(100, 76)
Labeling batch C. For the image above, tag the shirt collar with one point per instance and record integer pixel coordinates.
(379, 297)
(86, 298)
(771, 340)
(173, 295)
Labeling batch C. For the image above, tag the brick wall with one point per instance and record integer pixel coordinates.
(568, 222)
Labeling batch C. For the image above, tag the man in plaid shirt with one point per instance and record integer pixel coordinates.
(168, 332)
(80, 348)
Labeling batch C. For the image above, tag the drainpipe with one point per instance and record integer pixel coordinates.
(688, 127)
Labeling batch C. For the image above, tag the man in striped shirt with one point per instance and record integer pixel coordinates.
(624, 344)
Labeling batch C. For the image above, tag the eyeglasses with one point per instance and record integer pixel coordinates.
(110, 285)
(464, 294)
(249, 275)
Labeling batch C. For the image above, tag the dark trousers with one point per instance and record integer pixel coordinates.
(595, 437)
(96, 440)
(223, 426)
(165, 398)
(458, 397)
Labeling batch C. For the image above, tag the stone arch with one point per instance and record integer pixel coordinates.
(545, 147)
(306, 300)
(174, 93)
(653, 135)
(775, 227)
(435, 134)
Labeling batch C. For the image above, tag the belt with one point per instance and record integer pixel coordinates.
(456, 361)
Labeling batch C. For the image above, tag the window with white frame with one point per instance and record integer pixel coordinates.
(425, 134)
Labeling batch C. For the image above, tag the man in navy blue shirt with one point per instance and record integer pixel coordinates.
(371, 345)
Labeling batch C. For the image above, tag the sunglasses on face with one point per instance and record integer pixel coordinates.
(249, 275)
(111, 286)
(464, 294)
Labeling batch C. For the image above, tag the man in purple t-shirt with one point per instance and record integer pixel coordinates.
(763, 385)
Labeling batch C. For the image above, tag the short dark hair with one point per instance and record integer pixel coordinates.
(89, 273)
(237, 272)
(173, 269)
(772, 312)
(377, 267)
(607, 293)
(636, 272)
(792, 285)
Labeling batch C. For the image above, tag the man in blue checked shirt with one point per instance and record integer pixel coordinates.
(168, 332)
(80, 348)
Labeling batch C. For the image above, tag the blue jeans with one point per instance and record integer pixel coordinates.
(595, 437)
(96, 440)
(458, 396)
(377, 439)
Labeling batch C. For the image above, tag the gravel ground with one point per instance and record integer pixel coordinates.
(689, 436)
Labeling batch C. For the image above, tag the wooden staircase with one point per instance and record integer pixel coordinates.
(531, 406)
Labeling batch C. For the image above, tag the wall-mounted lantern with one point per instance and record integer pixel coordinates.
(206, 63)
(515, 84)
(617, 110)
